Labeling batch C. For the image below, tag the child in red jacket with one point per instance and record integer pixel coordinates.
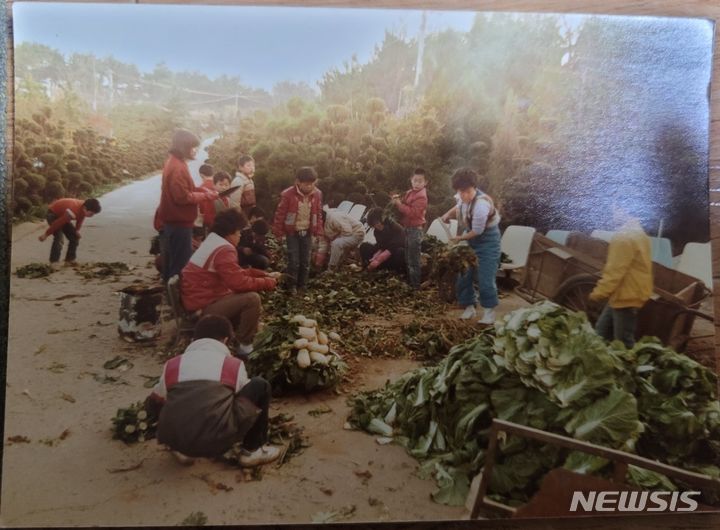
(412, 210)
(219, 182)
(179, 199)
(214, 282)
(298, 217)
(61, 214)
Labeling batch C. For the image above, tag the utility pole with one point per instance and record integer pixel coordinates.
(112, 88)
(95, 87)
(112, 94)
(421, 50)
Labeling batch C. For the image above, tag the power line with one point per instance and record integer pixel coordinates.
(189, 90)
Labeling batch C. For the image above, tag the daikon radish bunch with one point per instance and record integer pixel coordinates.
(294, 355)
(312, 345)
(134, 424)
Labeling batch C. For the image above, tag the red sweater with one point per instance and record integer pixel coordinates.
(66, 211)
(287, 210)
(412, 207)
(179, 196)
(213, 272)
(207, 208)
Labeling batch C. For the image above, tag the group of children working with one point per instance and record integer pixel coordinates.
(205, 400)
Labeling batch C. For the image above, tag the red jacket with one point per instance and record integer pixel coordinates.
(179, 196)
(66, 211)
(287, 210)
(209, 208)
(213, 272)
(412, 207)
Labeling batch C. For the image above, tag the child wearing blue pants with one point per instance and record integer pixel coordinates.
(481, 231)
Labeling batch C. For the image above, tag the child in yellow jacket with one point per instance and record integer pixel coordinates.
(626, 282)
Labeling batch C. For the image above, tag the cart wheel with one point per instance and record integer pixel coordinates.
(446, 287)
(573, 293)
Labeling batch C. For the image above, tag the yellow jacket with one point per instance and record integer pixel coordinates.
(627, 279)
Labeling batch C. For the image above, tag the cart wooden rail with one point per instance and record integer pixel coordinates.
(558, 485)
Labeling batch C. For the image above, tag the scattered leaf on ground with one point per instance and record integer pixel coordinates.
(117, 362)
(328, 517)
(68, 296)
(40, 349)
(18, 439)
(151, 380)
(214, 485)
(195, 519)
(68, 397)
(320, 411)
(57, 368)
(125, 469)
(102, 270)
(108, 379)
(52, 442)
(58, 331)
(34, 270)
(364, 475)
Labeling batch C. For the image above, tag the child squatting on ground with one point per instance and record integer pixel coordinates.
(252, 250)
(60, 216)
(206, 403)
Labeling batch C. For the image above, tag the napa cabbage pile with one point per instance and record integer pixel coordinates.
(544, 367)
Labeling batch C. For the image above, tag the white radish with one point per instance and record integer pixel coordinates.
(317, 357)
(307, 333)
(303, 358)
(333, 336)
(298, 318)
(322, 338)
(310, 323)
(299, 344)
(320, 348)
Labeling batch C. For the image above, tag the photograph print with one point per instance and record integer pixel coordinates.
(310, 265)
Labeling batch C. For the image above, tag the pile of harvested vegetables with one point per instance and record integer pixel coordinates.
(344, 300)
(34, 270)
(545, 367)
(134, 424)
(293, 354)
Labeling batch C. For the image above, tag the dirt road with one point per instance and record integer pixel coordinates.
(61, 465)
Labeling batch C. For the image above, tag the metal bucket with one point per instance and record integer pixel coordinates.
(139, 318)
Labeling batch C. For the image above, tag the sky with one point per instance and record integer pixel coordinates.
(261, 45)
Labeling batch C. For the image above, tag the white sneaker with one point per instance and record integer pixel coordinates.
(263, 455)
(245, 349)
(469, 313)
(183, 459)
(488, 317)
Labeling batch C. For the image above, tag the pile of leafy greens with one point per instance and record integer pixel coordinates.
(544, 367)
(34, 270)
(274, 358)
(353, 303)
(452, 260)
